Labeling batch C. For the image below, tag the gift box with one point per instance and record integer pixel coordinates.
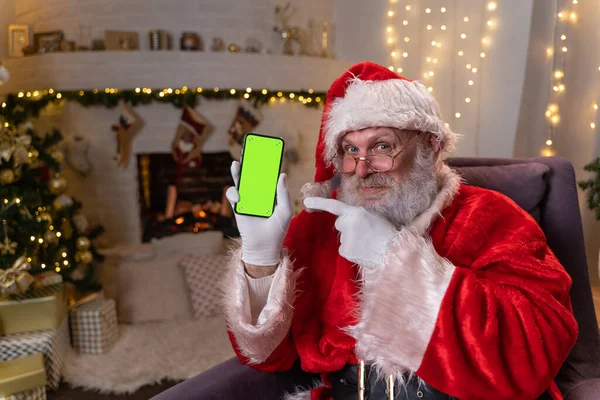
(52, 343)
(36, 310)
(23, 378)
(94, 326)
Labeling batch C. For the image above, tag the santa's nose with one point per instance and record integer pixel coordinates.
(362, 169)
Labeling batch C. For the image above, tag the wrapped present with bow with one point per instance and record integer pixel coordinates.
(36, 309)
(14, 145)
(23, 378)
(16, 279)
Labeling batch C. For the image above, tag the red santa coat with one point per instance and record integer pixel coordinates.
(470, 298)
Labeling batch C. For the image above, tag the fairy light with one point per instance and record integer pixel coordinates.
(557, 62)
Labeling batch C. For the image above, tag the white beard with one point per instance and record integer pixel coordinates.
(403, 201)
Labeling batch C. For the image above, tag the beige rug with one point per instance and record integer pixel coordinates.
(147, 353)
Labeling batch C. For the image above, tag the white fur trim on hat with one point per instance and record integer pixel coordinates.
(395, 103)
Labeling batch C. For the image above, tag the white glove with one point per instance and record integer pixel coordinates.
(262, 238)
(365, 236)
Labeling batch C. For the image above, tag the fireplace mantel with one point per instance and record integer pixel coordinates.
(164, 69)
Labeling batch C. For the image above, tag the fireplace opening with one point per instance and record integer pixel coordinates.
(175, 200)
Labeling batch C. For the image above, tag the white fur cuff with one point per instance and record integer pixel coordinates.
(258, 341)
(400, 305)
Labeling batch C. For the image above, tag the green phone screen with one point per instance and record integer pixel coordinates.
(261, 163)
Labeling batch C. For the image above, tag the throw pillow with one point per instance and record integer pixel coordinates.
(203, 276)
(152, 290)
(194, 244)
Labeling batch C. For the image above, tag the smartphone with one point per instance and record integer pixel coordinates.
(260, 167)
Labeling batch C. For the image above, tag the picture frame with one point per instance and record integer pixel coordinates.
(48, 42)
(19, 37)
(121, 40)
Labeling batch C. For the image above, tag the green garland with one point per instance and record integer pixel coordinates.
(592, 187)
(20, 107)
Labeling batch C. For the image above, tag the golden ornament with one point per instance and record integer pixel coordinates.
(50, 237)
(82, 243)
(57, 185)
(7, 176)
(33, 154)
(84, 257)
(58, 156)
(44, 216)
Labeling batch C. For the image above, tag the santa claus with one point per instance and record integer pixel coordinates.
(404, 282)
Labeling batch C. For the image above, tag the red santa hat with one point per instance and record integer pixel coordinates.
(368, 95)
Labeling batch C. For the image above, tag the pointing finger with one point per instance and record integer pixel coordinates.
(332, 206)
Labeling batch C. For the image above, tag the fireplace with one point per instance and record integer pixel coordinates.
(173, 200)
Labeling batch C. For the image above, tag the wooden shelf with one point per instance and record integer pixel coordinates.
(162, 69)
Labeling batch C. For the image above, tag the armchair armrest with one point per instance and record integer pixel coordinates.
(231, 380)
(587, 390)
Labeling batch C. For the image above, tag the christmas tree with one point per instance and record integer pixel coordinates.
(592, 186)
(43, 228)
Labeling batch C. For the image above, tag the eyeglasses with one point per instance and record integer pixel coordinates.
(376, 162)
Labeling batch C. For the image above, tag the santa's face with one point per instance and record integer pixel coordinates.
(400, 193)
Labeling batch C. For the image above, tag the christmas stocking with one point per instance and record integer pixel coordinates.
(126, 129)
(245, 120)
(192, 131)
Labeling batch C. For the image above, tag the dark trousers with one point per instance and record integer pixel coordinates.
(345, 387)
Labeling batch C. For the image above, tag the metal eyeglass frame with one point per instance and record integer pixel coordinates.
(357, 159)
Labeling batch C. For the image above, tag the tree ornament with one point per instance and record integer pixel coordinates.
(77, 150)
(82, 243)
(78, 273)
(33, 154)
(50, 237)
(20, 155)
(58, 156)
(62, 201)
(44, 216)
(8, 247)
(57, 185)
(80, 221)
(84, 257)
(7, 177)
